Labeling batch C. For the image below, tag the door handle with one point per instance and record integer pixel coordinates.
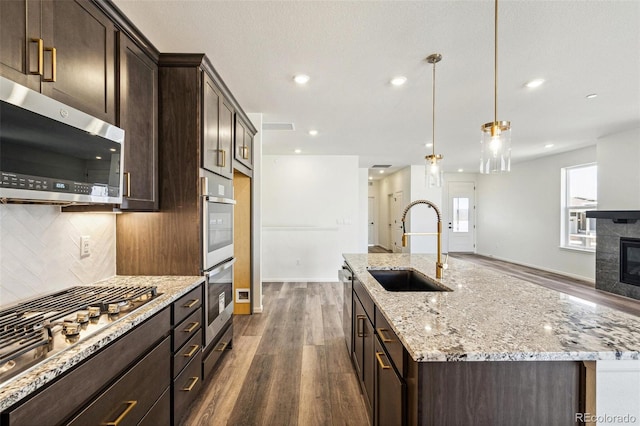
(52, 79)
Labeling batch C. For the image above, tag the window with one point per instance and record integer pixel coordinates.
(579, 195)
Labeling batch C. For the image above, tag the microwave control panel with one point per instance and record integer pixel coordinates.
(36, 183)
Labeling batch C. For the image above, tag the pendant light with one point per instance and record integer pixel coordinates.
(433, 168)
(495, 156)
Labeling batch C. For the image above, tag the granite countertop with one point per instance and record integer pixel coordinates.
(170, 288)
(490, 316)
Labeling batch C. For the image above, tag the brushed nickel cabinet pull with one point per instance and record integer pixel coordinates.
(40, 45)
(194, 349)
(384, 338)
(194, 325)
(191, 304)
(382, 364)
(245, 152)
(222, 347)
(52, 79)
(116, 422)
(193, 383)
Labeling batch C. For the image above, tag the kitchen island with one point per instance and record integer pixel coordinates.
(170, 289)
(456, 343)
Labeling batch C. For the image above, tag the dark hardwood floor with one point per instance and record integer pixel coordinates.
(579, 288)
(288, 366)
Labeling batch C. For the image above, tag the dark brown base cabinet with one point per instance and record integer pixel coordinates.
(125, 380)
(401, 391)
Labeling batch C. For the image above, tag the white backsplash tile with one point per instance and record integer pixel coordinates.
(40, 250)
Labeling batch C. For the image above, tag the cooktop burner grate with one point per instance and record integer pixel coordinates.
(28, 325)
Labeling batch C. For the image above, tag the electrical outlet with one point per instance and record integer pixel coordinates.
(85, 248)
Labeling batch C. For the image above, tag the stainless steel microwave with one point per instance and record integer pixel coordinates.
(50, 152)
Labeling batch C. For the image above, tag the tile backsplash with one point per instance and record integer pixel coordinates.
(40, 250)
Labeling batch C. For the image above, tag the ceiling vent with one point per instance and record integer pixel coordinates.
(278, 126)
(381, 166)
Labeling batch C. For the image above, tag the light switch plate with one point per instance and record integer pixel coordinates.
(85, 249)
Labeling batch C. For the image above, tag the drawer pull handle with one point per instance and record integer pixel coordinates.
(194, 349)
(52, 79)
(222, 347)
(39, 41)
(382, 364)
(384, 338)
(116, 422)
(193, 383)
(192, 303)
(193, 326)
(359, 331)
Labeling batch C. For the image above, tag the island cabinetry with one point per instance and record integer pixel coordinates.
(124, 381)
(187, 317)
(52, 46)
(363, 343)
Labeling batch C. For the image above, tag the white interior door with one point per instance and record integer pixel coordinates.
(462, 229)
(397, 206)
(372, 221)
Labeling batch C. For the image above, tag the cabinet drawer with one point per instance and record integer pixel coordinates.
(390, 341)
(186, 329)
(187, 387)
(132, 396)
(63, 397)
(186, 305)
(187, 353)
(219, 347)
(364, 297)
(160, 413)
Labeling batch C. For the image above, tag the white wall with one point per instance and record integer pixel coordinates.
(422, 218)
(310, 215)
(398, 181)
(619, 171)
(40, 250)
(363, 211)
(374, 192)
(518, 215)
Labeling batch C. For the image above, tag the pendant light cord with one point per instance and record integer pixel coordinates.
(495, 68)
(433, 114)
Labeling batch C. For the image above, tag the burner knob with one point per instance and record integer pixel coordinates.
(82, 317)
(113, 308)
(94, 311)
(70, 328)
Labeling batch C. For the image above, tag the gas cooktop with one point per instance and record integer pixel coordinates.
(33, 331)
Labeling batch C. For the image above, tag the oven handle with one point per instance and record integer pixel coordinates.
(220, 200)
(220, 268)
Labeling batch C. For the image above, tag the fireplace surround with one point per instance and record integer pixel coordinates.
(618, 252)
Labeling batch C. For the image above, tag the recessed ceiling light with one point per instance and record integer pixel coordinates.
(301, 78)
(112, 149)
(460, 170)
(549, 145)
(381, 171)
(399, 80)
(297, 151)
(313, 132)
(428, 145)
(370, 178)
(592, 95)
(534, 83)
(98, 157)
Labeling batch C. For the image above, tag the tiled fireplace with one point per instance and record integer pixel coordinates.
(618, 252)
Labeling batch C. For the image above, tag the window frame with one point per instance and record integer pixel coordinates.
(567, 209)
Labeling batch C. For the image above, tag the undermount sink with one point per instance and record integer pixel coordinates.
(405, 280)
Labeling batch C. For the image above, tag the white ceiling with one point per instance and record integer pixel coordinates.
(351, 49)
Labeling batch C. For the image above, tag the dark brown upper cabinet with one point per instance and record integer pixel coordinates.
(217, 131)
(244, 142)
(64, 49)
(138, 116)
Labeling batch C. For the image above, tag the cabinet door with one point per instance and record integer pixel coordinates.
(210, 125)
(84, 58)
(138, 116)
(247, 154)
(243, 143)
(389, 391)
(363, 351)
(226, 139)
(19, 56)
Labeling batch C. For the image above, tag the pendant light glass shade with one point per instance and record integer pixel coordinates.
(495, 145)
(433, 169)
(495, 153)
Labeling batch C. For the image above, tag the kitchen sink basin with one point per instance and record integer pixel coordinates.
(405, 280)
